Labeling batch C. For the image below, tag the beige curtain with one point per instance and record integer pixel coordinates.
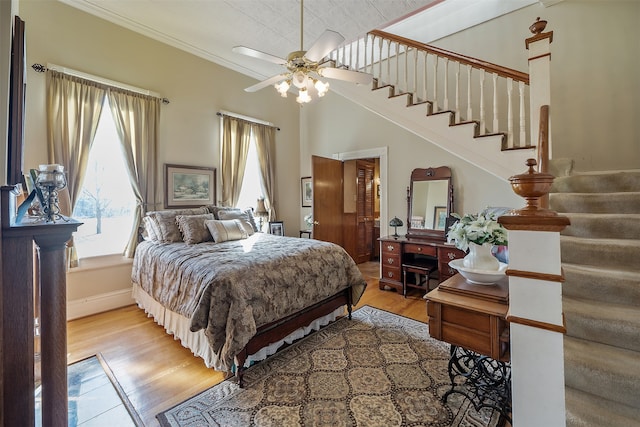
(264, 137)
(137, 118)
(74, 106)
(236, 135)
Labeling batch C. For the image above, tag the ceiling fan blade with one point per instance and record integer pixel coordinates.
(348, 75)
(257, 54)
(270, 81)
(328, 41)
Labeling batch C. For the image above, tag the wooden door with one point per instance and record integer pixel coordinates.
(365, 210)
(327, 199)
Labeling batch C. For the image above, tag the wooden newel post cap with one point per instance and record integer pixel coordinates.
(538, 26)
(532, 185)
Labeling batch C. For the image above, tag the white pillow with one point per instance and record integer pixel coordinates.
(243, 216)
(227, 229)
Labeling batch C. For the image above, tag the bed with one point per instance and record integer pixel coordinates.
(235, 298)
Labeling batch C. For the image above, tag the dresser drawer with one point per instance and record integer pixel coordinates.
(449, 254)
(445, 270)
(412, 248)
(390, 259)
(387, 248)
(391, 273)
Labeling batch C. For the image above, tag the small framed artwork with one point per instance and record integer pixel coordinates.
(276, 228)
(189, 186)
(306, 190)
(439, 217)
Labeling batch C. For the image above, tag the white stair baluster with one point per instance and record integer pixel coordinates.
(496, 128)
(415, 72)
(381, 42)
(435, 85)
(446, 84)
(457, 109)
(424, 77)
(469, 107)
(397, 80)
(406, 69)
(523, 118)
(389, 61)
(482, 120)
(509, 112)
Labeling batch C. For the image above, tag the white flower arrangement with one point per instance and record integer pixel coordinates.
(476, 228)
(308, 219)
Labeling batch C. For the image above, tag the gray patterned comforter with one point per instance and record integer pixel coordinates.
(230, 289)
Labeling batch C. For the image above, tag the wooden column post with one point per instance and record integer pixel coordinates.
(18, 316)
(535, 305)
(539, 47)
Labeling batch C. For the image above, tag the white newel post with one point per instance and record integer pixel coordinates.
(535, 305)
(539, 47)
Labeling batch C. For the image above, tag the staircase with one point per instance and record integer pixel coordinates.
(601, 296)
(478, 111)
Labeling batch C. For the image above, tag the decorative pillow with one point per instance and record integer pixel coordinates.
(215, 210)
(168, 230)
(228, 229)
(244, 216)
(150, 229)
(193, 229)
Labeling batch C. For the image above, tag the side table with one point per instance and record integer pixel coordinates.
(472, 319)
(305, 232)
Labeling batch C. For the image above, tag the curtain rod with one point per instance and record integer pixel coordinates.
(247, 118)
(71, 72)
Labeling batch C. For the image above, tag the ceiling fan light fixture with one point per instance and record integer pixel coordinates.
(321, 87)
(299, 78)
(283, 87)
(303, 96)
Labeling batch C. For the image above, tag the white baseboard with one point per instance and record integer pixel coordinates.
(98, 303)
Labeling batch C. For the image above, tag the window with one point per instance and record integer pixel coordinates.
(251, 189)
(106, 202)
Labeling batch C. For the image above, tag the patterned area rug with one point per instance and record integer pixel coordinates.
(378, 369)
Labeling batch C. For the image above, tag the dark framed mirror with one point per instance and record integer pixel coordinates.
(429, 202)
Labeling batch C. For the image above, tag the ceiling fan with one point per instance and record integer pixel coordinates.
(306, 68)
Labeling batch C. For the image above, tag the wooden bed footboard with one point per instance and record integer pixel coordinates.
(279, 329)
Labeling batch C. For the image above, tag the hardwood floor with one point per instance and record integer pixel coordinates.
(156, 372)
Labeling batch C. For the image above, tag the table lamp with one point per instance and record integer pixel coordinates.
(395, 223)
(261, 212)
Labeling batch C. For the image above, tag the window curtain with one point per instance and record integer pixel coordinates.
(137, 118)
(264, 137)
(73, 110)
(236, 136)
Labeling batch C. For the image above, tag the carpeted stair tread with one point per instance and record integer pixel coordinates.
(605, 182)
(600, 283)
(587, 410)
(614, 226)
(612, 253)
(622, 202)
(606, 371)
(613, 324)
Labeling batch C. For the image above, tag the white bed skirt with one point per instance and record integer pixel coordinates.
(178, 326)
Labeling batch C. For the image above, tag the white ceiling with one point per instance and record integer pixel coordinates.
(210, 28)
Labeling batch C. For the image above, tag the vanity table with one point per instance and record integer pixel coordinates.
(423, 251)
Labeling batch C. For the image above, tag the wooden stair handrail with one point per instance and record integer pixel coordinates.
(463, 59)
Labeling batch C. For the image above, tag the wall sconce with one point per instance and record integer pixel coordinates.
(395, 223)
(50, 180)
(261, 212)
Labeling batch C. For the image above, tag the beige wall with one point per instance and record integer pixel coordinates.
(189, 131)
(595, 57)
(337, 125)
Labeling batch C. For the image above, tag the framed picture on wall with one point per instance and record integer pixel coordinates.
(439, 217)
(306, 190)
(189, 186)
(276, 228)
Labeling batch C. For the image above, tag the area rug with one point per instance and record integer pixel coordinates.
(377, 369)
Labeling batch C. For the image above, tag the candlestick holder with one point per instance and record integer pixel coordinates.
(51, 179)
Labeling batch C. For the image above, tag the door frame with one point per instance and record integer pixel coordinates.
(383, 154)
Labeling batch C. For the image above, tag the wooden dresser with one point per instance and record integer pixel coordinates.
(394, 251)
